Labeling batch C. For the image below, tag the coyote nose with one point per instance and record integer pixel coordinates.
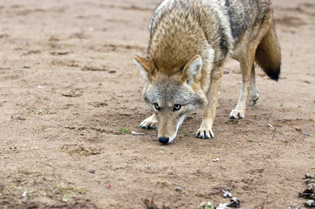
(163, 140)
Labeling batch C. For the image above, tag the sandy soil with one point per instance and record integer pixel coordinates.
(70, 93)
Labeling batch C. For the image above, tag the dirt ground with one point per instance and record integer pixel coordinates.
(70, 94)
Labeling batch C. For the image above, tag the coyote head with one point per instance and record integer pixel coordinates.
(171, 95)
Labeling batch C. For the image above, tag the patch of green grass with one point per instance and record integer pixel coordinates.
(162, 182)
(41, 129)
(186, 134)
(209, 205)
(42, 112)
(124, 130)
(38, 183)
(53, 46)
(27, 173)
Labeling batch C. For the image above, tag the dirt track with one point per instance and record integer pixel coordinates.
(70, 92)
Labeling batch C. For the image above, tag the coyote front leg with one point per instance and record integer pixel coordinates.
(205, 130)
(150, 122)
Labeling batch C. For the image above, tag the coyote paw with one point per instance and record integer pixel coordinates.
(203, 133)
(149, 123)
(253, 99)
(237, 114)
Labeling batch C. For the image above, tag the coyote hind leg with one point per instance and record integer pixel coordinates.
(253, 93)
(248, 77)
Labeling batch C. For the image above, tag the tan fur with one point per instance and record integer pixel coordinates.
(189, 44)
(268, 54)
(147, 64)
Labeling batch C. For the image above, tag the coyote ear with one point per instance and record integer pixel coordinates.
(192, 68)
(145, 65)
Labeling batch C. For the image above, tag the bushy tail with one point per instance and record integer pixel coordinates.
(268, 55)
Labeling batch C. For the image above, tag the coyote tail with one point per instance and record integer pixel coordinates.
(268, 55)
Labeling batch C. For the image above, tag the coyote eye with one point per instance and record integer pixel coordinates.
(177, 107)
(157, 107)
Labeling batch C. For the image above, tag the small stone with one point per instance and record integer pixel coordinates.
(136, 133)
(298, 129)
(216, 160)
(309, 203)
(92, 171)
(27, 66)
(112, 71)
(226, 193)
(178, 189)
(311, 186)
(309, 176)
(235, 203)
(226, 72)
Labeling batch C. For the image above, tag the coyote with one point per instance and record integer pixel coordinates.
(190, 40)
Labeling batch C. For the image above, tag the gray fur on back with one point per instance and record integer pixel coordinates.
(244, 14)
(211, 15)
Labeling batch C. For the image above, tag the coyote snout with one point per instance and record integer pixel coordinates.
(169, 121)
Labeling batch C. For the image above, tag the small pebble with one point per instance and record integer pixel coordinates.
(309, 176)
(226, 72)
(309, 203)
(27, 66)
(235, 203)
(24, 194)
(136, 133)
(226, 193)
(92, 171)
(178, 189)
(112, 71)
(311, 186)
(216, 160)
